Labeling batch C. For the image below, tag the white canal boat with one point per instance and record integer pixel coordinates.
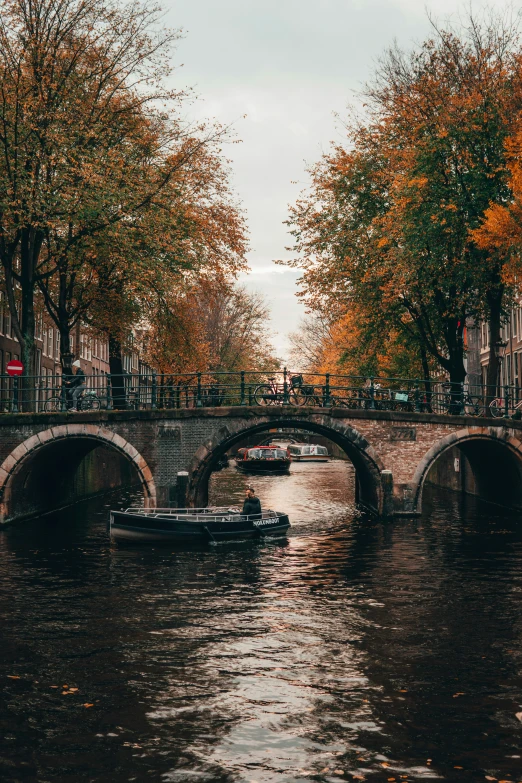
(308, 452)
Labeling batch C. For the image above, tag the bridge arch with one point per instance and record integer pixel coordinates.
(51, 449)
(494, 459)
(367, 463)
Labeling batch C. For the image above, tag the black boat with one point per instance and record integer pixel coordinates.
(263, 459)
(193, 525)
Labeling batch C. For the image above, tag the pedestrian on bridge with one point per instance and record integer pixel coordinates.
(76, 384)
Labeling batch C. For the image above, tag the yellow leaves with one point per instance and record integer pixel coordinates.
(87, 705)
(13, 677)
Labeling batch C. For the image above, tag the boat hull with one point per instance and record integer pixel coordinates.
(155, 528)
(263, 466)
(309, 458)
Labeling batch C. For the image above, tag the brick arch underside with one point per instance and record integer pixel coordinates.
(367, 464)
(64, 447)
(495, 457)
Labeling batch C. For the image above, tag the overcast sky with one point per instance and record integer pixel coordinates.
(289, 66)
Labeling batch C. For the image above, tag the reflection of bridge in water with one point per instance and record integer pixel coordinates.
(51, 460)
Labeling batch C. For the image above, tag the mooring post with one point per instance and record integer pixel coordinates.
(387, 493)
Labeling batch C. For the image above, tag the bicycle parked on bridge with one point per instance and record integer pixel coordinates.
(273, 393)
(87, 401)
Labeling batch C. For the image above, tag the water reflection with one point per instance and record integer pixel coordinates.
(351, 651)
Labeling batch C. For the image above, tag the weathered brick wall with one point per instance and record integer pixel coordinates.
(166, 442)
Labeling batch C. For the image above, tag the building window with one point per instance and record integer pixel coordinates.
(7, 322)
(44, 334)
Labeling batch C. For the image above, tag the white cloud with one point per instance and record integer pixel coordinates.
(288, 65)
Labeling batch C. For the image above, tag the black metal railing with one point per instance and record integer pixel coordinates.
(217, 389)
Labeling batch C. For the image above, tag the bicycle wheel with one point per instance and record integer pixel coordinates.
(496, 408)
(473, 406)
(90, 403)
(53, 405)
(298, 397)
(264, 395)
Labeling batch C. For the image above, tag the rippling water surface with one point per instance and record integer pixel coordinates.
(352, 651)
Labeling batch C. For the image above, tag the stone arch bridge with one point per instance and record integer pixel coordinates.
(48, 461)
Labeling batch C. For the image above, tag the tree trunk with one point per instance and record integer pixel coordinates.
(456, 368)
(119, 399)
(66, 356)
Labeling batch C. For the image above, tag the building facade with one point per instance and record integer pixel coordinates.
(93, 353)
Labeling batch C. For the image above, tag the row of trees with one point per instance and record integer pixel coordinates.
(412, 227)
(114, 210)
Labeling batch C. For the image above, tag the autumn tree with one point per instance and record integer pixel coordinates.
(237, 328)
(387, 226)
(139, 271)
(91, 138)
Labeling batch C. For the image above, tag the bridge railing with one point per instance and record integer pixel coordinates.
(51, 393)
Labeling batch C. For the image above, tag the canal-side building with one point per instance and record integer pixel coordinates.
(91, 350)
(478, 348)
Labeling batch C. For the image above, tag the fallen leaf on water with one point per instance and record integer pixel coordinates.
(518, 715)
(458, 694)
(54, 686)
(88, 705)
(392, 779)
(73, 690)
(13, 676)
(458, 767)
(384, 764)
(326, 769)
(488, 777)
(338, 771)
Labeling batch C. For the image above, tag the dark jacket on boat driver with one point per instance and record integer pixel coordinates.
(252, 507)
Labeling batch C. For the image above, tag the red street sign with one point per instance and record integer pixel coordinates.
(14, 368)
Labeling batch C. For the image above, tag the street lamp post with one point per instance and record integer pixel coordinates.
(500, 349)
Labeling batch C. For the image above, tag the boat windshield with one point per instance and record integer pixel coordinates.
(266, 454)
(308, 450)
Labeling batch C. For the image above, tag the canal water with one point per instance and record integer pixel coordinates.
(352, 651)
